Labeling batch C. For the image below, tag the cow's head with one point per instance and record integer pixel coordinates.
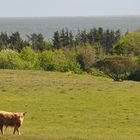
(20, 117)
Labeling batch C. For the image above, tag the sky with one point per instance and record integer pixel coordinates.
(49, 8)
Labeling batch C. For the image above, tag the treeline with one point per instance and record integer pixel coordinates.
(16, 43)
(61, 39)
(98, 51)
(96, 36)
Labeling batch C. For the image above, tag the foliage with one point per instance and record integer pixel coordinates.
(61, 39)
(86, 56)
(106, 38)
(135, 75)
(36, 41)
(53, 60)
(69, 52)
(97, 72)
(15, 42)
(57, 60)
(117, 67)
(10, 59)
(30, 58)
(128, 44)
(4, 41)
(64, 38)
(73, 65)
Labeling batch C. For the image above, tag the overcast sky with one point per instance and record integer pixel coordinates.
(45, 8)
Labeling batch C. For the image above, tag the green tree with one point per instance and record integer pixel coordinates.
(4, 41)
(30, 58)
(15, 42)
(10, 59)
(135, 75)
(56, 40)
(128, 44)
(36, 41)
(53, 60)
(117, 67)
(86, 57)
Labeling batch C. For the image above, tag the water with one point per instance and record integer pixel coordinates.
(47, 26)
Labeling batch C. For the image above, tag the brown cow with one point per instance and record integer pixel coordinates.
(11, 119)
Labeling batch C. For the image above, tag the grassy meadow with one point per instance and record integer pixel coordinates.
(76, 107)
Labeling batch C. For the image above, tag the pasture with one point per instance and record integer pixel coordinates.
(76, 107)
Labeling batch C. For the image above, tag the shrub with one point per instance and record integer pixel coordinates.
(30, 58)
(86, 56)
(128, 44)
(10, 59)
(46, 61)
(117, 67)
(73, 65)
(97, 72)
(135, 75)
(53, 61)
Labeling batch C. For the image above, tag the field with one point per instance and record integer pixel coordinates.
(76, 107)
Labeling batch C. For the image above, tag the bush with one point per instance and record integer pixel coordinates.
(128, 44)
(10, 59)
(46, 61)
(53, 61)
(30, 58)
(135, 75)
(86, 57)
(73, 65)
(97, 72)
(117, 67)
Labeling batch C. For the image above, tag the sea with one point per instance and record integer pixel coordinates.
(48, 25)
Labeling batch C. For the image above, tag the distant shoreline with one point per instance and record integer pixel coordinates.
(99, 16)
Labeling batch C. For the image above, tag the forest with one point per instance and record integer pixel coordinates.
(100, 52)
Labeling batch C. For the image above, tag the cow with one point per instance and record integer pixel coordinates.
(14, 120)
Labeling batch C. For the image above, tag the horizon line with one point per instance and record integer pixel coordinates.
(70, 16)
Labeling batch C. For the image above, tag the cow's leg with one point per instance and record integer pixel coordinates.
(6, 128)
(18, 130)
(1, 128)
(14, 130)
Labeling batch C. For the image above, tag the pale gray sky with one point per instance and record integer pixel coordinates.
(45, 8)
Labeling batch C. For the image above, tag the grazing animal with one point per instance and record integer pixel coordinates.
(14, 120)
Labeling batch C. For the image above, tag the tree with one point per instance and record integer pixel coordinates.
(56, 40)
(53, 60)
(129, 44)
(4, 41)
(82, 38)
(71, 39)
(62, 39)
(15, 41)
(117, 67)
(10, 59)
(135, 75)
(86, 57)
(36, 41)
(29, 57)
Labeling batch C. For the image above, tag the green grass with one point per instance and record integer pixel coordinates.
(77, 107)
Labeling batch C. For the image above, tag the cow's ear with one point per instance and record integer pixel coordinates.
(15, 114)
(24, 113)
